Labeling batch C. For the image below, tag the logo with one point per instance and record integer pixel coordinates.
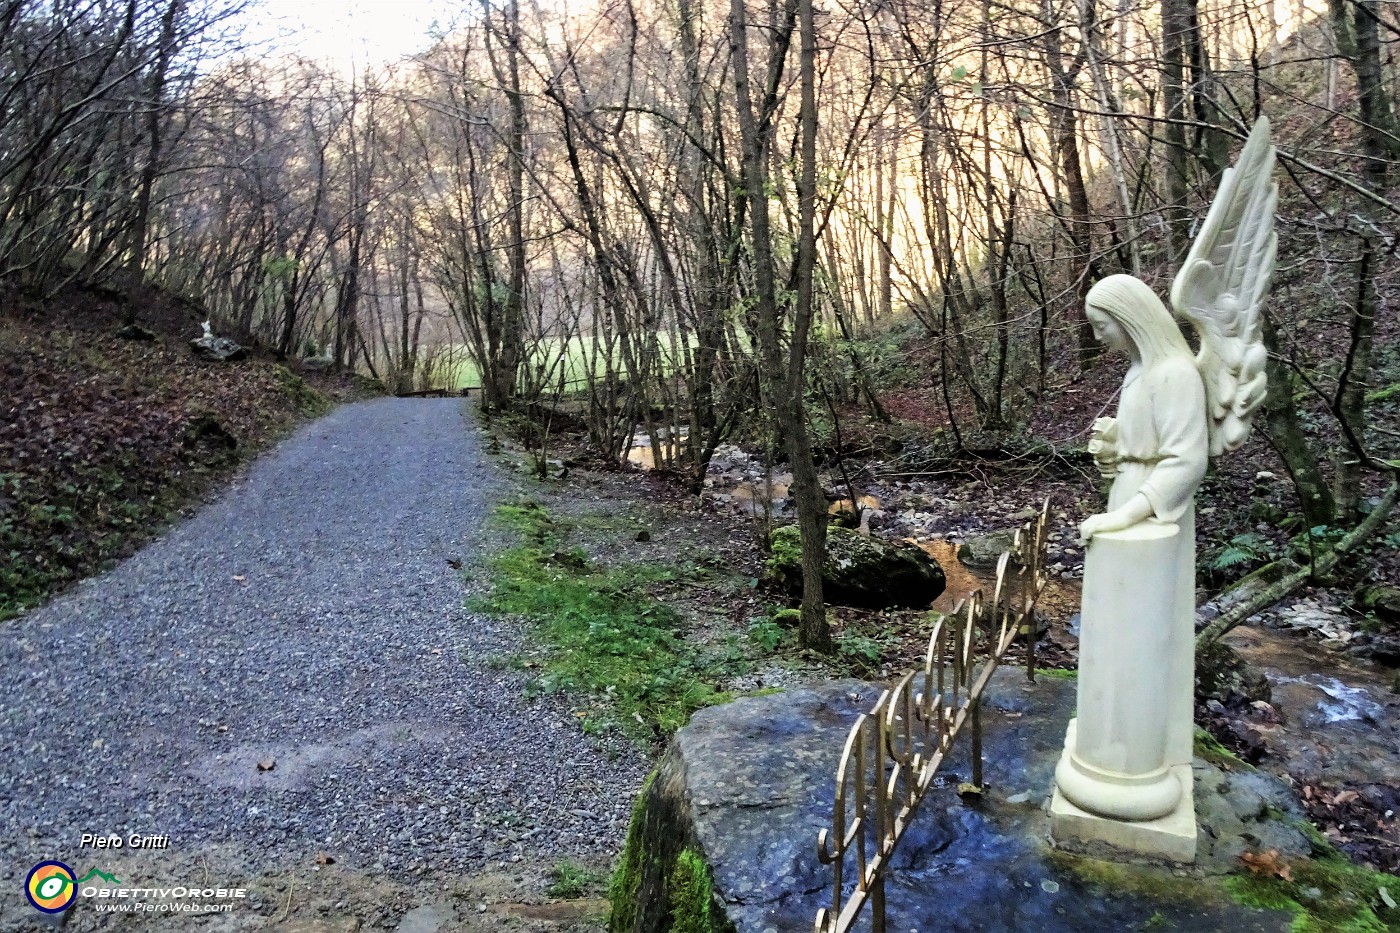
(51, 887)
(94, 873)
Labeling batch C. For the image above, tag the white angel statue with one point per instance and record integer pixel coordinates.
(1177, 409)
(1220, 291)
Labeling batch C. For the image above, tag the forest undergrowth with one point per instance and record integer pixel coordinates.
(105, 439)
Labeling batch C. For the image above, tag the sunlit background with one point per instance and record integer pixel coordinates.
(346, 33)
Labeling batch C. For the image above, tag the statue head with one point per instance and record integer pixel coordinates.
(1144, 320)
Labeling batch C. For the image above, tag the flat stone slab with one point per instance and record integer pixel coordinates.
(750, 784)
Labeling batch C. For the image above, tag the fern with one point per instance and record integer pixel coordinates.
(1231, 556)
(1247, 548)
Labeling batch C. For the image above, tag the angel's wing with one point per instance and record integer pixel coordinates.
(1221, 289)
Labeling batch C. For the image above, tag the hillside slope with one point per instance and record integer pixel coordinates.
(103, 439)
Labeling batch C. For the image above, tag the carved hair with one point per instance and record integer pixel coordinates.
(1146, 320)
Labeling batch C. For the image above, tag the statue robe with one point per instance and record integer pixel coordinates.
(1163, 450)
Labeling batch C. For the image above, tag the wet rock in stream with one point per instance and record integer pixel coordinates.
(1221, 673)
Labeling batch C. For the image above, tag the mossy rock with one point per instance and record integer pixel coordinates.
(662, 883)
(1221, 672)
(1383, 600)
(725, 834)
(983, 551)
(859, 570)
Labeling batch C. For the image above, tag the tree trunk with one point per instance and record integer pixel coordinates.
(1286, 435)
(154, 125)
(1064, 137)
(813, 630)
(1175, 26)
(513, 331)
(1350, 405)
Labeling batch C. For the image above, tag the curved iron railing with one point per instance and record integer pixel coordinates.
(893, 752)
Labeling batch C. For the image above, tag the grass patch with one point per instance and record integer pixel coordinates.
(569, 880)
(607, 639)
(1059, 673)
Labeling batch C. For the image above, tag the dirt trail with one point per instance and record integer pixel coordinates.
(291, 673)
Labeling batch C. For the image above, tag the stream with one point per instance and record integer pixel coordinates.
(1333, 718)
(1340, 720)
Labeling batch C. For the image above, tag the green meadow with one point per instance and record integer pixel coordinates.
(459, 370)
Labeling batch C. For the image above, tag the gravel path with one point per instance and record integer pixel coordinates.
(310, 617)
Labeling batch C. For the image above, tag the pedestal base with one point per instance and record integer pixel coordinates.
(1169, 838)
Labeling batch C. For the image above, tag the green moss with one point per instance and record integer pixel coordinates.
(688, 887)
(1266, 575)
(1251, 892)
(784, 554)
(627, 877)
(1206, 747)
(1384, 394)
(1325, 895)
(788, 618)
(692, 894)
(1320, 843)
(1328, 894)
(1059, 673)
(307, 400)
(1141, 880)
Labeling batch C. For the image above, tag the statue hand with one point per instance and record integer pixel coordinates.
(1125, 516)
(1103, 446)
(1094, 524)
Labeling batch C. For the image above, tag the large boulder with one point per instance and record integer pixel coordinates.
(724, 837)
(860, 570)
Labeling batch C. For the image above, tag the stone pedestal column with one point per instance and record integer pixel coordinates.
(1116, 767)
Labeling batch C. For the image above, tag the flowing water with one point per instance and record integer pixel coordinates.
(1341, 722)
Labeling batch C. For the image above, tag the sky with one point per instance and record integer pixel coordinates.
(341, 32)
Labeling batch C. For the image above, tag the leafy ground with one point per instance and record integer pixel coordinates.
(103, 439)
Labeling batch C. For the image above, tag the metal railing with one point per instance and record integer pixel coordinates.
(894, 751)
